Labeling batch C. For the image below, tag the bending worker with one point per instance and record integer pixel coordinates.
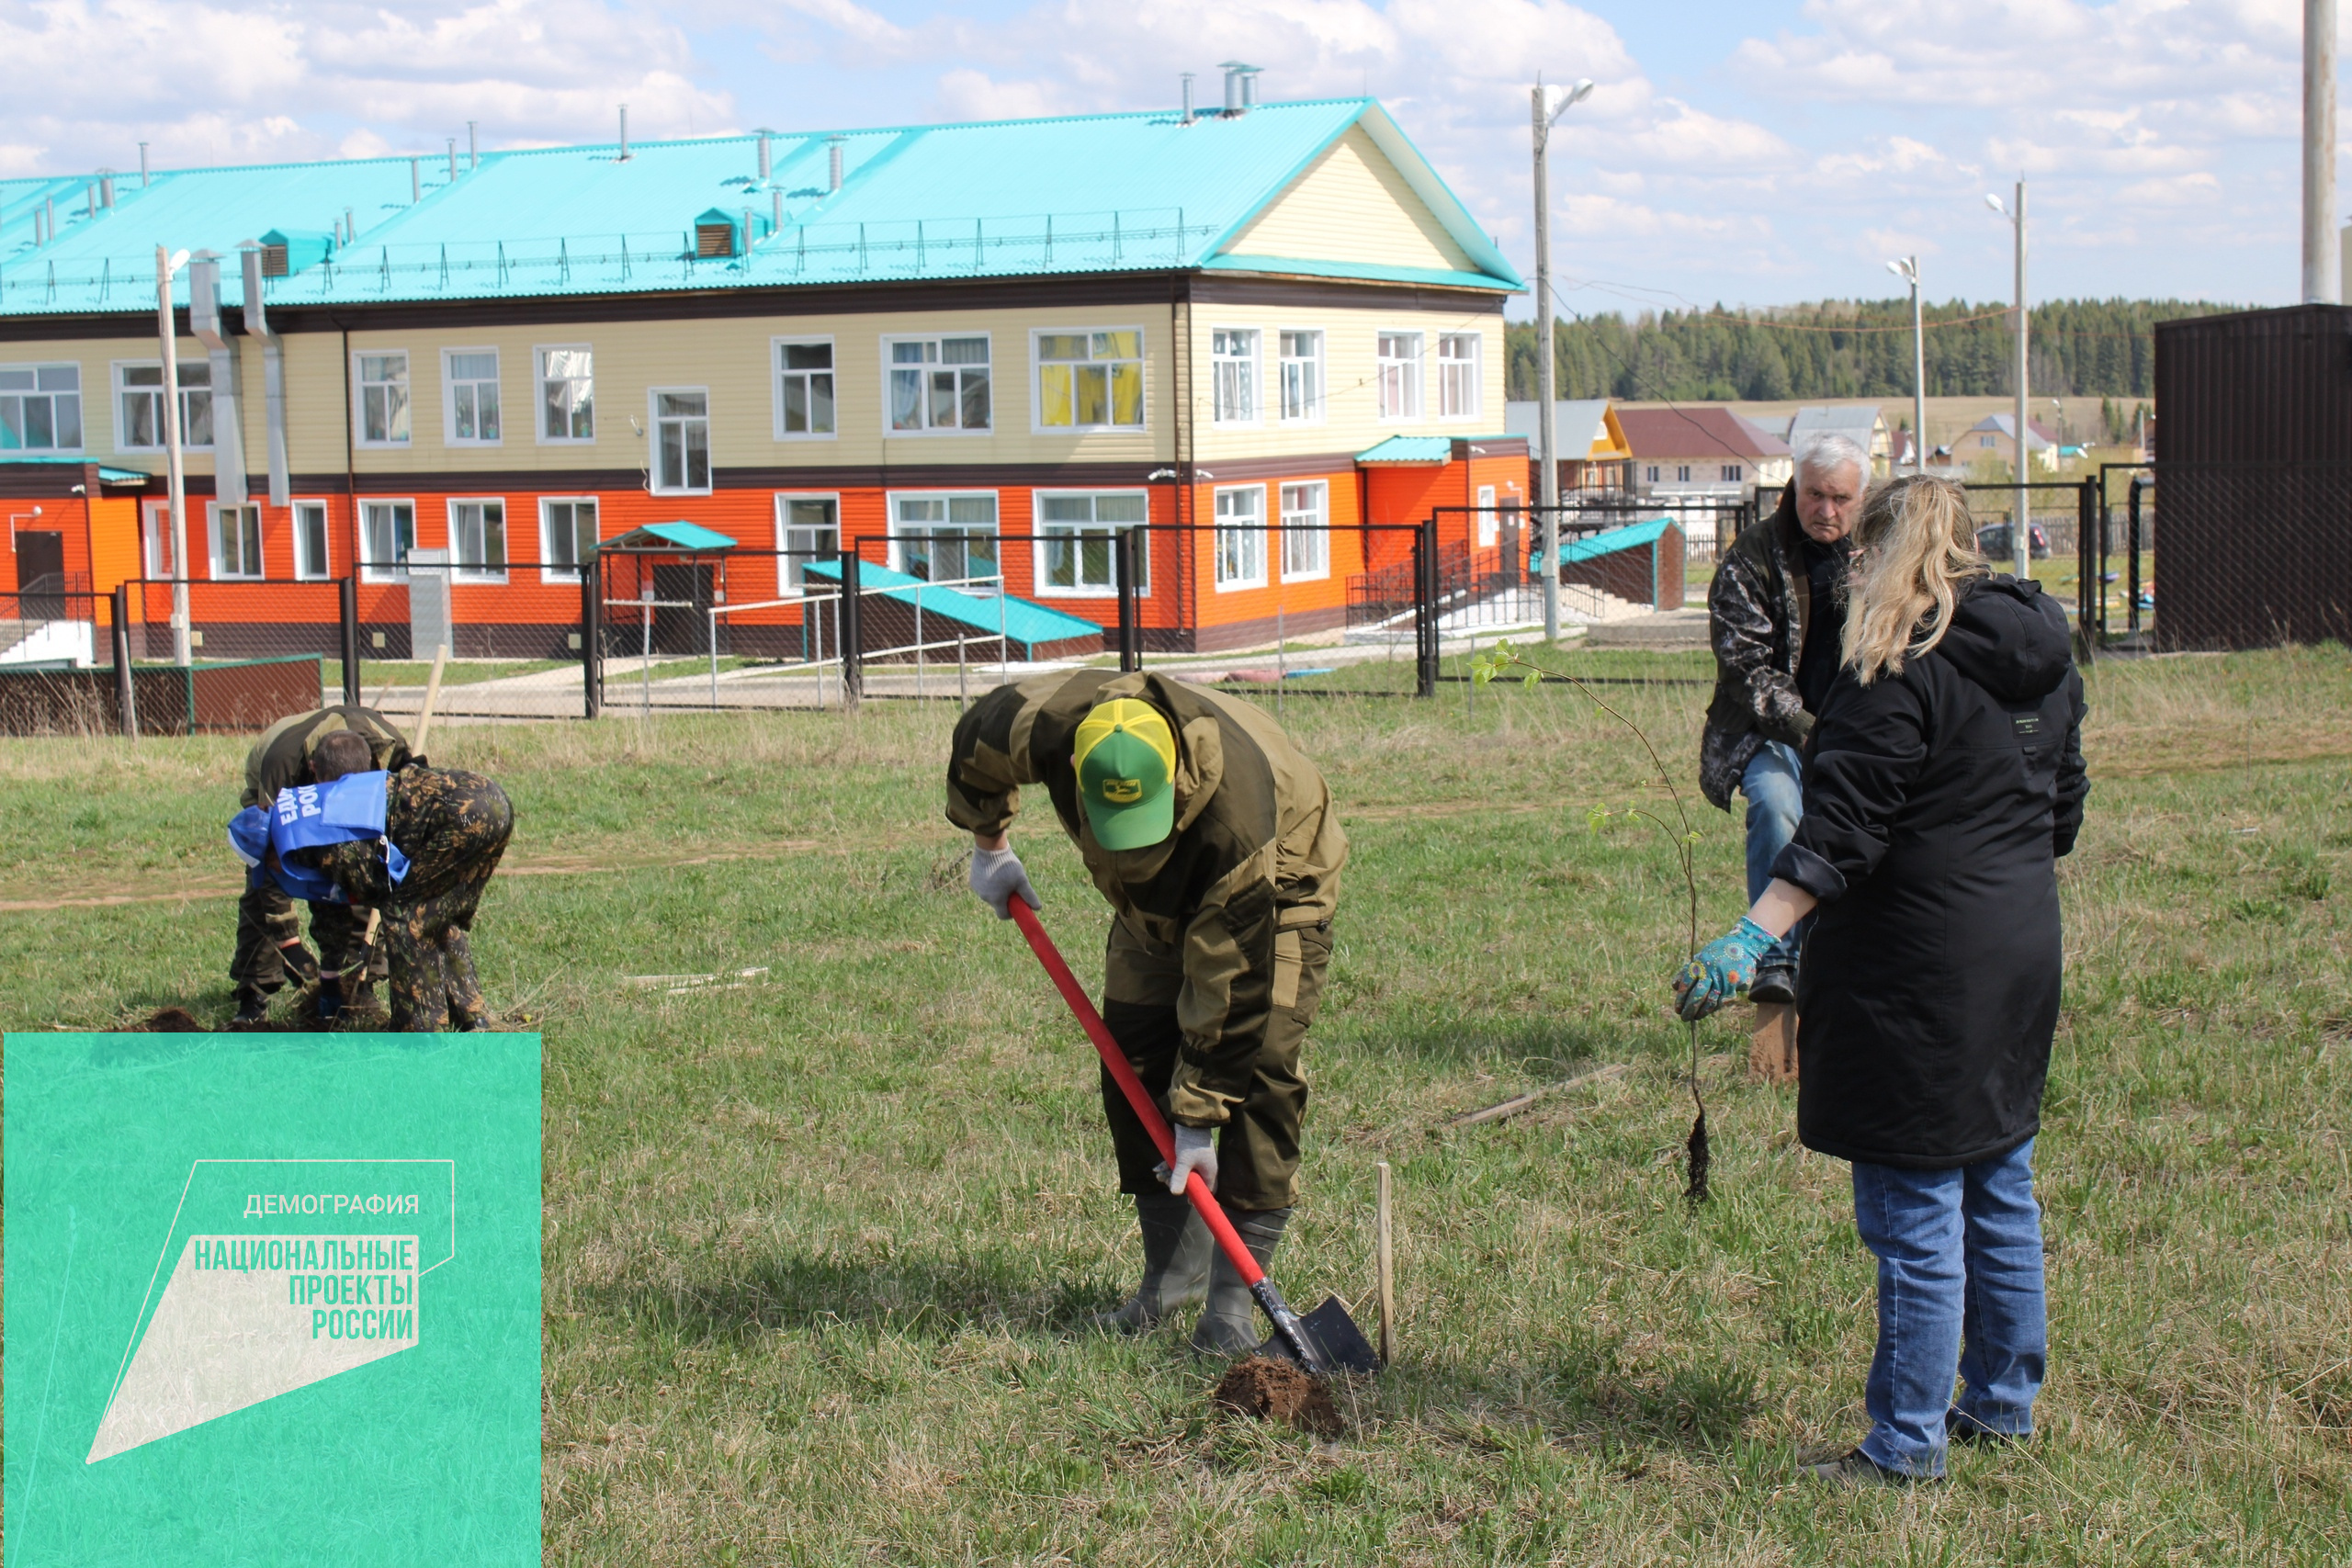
(1944, 781)
(420, 845)
(269, 933)
(1214, 840)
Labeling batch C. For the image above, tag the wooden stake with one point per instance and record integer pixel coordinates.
(432, 695)
(1772, 1047)
(1387, 1253)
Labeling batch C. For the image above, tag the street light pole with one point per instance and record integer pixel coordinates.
(2021, 530)
(1547, 441)
(175, 533)
(1908, 269)
(2322, 280)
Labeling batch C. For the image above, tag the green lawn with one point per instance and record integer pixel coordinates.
(820, 1249)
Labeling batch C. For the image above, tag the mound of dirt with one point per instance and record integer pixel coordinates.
(173, 1021)
(1269, 1389)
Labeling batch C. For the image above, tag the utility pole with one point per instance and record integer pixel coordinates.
(175, 533)
(2322, 280)
(2021, 530)
(1547, 481)
(1908, 269)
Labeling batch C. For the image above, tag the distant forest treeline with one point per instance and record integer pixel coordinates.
(2079, 348)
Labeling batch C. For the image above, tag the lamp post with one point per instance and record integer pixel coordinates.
(2020, 531)
(1547, 489)
(175, 535)
(1908, 269)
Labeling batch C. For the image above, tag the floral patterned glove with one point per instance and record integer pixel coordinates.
(1720, 969)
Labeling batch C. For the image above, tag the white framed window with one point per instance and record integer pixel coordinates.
(1490, 522)
(680, 440)
(566, 378)
(387, 533)
(1090, 381)
(1682, 474)
(567, 535)
(138, 395)
(945, 537)
(1732, 472)
(935, 385)
(1077, 535)
(477, 538)
(803, 388)
(1301, 373)
(1985, 443)
(382, 405)
(312, 560)
(1307, 531)
(1653, 479)
(1233, 375)
(235, 540)
(41, 408)
(1399, 372)
(807, 530)
(1458, 387)
(1240, 536)
(470, 411)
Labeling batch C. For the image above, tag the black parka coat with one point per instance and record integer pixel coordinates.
(1936, 802)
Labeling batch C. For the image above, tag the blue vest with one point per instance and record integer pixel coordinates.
(310, 817)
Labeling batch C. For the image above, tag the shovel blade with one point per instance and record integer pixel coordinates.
(1344, 1347)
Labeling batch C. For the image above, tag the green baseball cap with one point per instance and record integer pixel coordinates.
(1126, 761)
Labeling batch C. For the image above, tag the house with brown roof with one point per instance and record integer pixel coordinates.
(1703, 451)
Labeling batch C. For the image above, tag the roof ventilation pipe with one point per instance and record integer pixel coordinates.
(453, 158)
(1249, 90)
(415, 181)
(90, 195)
(273, 378)
(1189, 115)
(833, 162)
(624, 158)
(767, 157)
(350, 227)
(228, 429)
(106, 188)
(142, 166)
(473, 146)
(1232, 69)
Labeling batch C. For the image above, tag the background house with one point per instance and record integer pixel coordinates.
(1862, 423)
(1592, 449)
(981, 349)
(1703, 451)
(1994, 439)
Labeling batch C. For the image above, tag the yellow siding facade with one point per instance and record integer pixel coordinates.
(1351, 204)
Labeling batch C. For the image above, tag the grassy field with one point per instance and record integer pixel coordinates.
(821, 1248)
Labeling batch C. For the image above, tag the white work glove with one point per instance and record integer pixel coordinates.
(1196, 1151)
(998, 877)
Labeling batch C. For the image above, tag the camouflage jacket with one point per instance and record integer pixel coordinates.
(1757, 611)
(1256, 852)
(281, 758)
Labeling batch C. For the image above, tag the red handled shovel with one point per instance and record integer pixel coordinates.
(1326, 1340)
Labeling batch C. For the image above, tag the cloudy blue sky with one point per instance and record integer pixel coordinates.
(1751, 154)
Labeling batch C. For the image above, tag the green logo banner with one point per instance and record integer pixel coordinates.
(272, 1298)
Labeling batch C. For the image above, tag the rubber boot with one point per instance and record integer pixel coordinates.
(1229, 1326)
(1176, 1247)
(253, 1008)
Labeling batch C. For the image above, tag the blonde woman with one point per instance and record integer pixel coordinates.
(1943, 779)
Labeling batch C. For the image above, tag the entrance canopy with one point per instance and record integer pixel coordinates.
(670, 539)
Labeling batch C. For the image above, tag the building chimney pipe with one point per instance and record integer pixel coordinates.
(1188, 98)
(473, 146)
(624, 133)
(142, 166)
(350, 228)
(452, 159)
(1232, 88)
(833, 162)
(767, 159)
(49, 212)
(106, 188)
(776, 211)
(415, 181)
(90, 196)
(1249, 90)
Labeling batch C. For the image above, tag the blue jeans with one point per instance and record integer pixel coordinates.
(1774, 785)
(1959, 1291)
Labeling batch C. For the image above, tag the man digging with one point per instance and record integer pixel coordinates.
(422, 850)
(1214, 840)
(269, 933)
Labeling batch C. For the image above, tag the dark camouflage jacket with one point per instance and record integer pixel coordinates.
(281, 758)
(1757, 611)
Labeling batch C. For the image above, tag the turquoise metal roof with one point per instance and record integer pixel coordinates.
(1409, 450)
(669, 536)
(1083, 194)
(1023, 621)
(106, 475)
(1607, 542)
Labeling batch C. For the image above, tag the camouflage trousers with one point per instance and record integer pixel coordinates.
(453, 826)
(1257, 1149)
(266, 920)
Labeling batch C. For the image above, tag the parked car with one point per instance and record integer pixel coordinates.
(1993, 540)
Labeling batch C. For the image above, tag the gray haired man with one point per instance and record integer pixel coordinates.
(1775, 616)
